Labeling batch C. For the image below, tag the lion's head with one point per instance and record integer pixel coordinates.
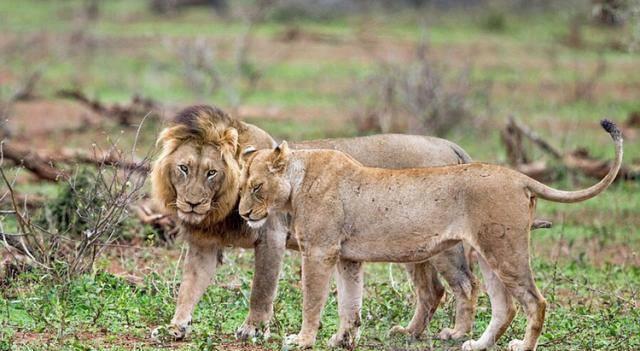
(265, 187)
(197, 175)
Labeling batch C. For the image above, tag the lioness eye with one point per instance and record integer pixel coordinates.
(256, 188)
(184, 169)
(211, 174)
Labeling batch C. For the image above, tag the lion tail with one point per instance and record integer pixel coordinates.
(548, 193)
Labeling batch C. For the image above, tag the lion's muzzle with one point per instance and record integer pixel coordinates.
(252, 221)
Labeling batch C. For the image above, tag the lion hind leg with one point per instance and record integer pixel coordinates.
(515, 272)
(453, 266)
(508, 257)
(429, 292)
(349, 280)
(502, 309)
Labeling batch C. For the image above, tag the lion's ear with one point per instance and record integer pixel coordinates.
(283, 147)
(280, 157)
(229, 140)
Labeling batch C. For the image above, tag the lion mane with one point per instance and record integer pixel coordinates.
(203, 125)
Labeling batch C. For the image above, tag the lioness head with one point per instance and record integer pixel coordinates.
(197, 174)
(265, 187)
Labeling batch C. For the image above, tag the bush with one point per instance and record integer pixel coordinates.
(86, 217)
(411, 98)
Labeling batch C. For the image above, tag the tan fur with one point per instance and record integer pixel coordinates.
(343, 211)
(206, 138)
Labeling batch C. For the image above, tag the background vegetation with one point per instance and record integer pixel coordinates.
(304, 71)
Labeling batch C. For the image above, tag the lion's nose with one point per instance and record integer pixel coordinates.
(246, 215)
(193, 204)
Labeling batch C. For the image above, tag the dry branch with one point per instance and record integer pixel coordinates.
(123, 114)
(31, 161)
(163, 223)
(109, 158)
(43, 164)
(518, 131)
(578, 161)
(513, 136)
(582, 161)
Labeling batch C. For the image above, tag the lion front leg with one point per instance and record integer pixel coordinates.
(269, 252)
(317, 267)
(198, 272)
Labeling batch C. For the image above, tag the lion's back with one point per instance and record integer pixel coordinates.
(394, 150)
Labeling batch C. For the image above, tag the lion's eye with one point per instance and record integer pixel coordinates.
(184, 169)
(256, 188)
(211, 174)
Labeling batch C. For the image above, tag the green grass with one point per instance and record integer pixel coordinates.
(589, 308)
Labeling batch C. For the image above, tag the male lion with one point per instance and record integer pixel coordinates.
(342, 211)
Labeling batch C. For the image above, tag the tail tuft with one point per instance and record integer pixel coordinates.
(611, 128)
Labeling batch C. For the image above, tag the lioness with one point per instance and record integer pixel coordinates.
(343, 211)
(197, 176)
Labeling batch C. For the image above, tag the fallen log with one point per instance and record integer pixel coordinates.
(43, 165)
(582, 161)
(578, 161)
(32, 161)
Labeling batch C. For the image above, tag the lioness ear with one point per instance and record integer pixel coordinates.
(283, 147)
(280, 157)
(229, 140)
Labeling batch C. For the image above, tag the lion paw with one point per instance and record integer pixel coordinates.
(299, 342)
(171, 332)
(249, 331)
(518, 345)
(473, 345)
(450, 334)
(400, 330)
(344, 339)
